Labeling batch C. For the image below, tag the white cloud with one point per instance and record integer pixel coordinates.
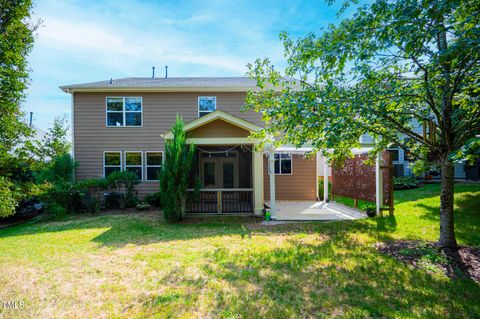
(83, 41)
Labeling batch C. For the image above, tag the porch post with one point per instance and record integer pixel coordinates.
(325, 180)
(271, 170)
(378, 184)
(258, 190)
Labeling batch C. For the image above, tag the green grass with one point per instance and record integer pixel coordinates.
(136, 266)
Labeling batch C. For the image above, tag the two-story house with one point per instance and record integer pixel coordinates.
(122, 124)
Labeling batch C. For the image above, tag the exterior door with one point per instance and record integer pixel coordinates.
(220, 172)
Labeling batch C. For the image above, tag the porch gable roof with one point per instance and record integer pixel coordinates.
(217, 115)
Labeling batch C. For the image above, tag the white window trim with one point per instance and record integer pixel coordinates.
(198, 104)
(400, 155)
(104, 166)
(141, 164)
(280, 159)
(123, 111)
(147, 166)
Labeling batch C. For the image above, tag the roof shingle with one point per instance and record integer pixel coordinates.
(172, 82)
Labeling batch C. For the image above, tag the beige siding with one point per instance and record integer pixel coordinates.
(301, 185)
(218, 128)
(92, 137)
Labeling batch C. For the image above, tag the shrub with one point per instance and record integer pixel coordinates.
(90, 189)
(58, 188)
(175, 172)
(404, 182)
(55, 211)
(123, 184)
(8, 197)
(153, 199)
(143, 206)
(320, 188)
(59, 169)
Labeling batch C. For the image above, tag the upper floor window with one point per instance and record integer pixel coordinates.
(206, 104)
(283, 164)
(124, 111)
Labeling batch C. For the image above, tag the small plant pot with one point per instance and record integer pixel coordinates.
(371, 212)
(268, 216)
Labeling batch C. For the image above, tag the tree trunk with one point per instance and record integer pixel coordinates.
(447, 233)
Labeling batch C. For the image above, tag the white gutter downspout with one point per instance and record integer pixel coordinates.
(378, 184)
(325, 179)
(271, 168)
(72, 126)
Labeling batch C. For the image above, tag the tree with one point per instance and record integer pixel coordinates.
(55, 143)
(16, 41)
(392, 66)
(175, 172)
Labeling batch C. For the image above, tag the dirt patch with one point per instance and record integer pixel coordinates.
(429, 256)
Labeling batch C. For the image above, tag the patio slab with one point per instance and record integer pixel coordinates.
(289, 210)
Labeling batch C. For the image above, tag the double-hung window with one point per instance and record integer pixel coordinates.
(112, 162)
(124, 111)
(134, 163)
(153, 161)
(206, 104)
(283, 164)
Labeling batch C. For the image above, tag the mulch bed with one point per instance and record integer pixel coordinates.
(464, 263)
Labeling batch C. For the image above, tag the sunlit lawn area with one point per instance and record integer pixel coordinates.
(135, 265)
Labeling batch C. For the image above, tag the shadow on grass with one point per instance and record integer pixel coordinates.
(319, 280)
(431, 190)
(386, 224)
(466, 214)
(119, 230)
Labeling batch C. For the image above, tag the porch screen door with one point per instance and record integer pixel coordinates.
(219, 172)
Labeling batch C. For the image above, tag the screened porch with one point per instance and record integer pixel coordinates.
(221, 180)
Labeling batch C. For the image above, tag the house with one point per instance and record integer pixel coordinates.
(401, 161)
(123, 124)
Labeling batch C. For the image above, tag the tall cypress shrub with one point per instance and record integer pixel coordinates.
(175, 172)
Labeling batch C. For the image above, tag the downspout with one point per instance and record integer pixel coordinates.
(271, 168)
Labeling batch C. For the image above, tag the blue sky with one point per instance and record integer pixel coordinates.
(84, 41)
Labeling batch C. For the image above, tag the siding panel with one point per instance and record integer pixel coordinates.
(301, 185)
(92, 137)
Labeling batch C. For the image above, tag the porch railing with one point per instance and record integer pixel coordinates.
(221, 200)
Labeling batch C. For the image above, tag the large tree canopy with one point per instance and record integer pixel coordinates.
(391, 67)
(16, 41)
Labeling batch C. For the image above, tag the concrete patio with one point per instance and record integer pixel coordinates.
(289, 210)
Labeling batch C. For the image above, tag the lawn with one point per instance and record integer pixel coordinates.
(135, 265)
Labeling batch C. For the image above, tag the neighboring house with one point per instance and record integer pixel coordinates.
(401, 162)
(123, 124)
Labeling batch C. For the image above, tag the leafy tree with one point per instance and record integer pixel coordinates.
(175, 172)
(16, 41)
(392, 66)
(55, 143)
(8, 197)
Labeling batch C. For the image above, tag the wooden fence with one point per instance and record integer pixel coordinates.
(356, 179)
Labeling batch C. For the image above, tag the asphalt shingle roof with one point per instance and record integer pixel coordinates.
(171, 82)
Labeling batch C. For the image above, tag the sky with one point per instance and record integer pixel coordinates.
(86, 40)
